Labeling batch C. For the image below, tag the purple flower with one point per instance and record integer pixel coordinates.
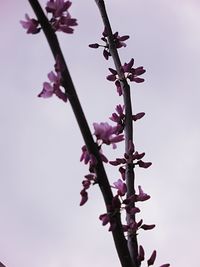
(65, 24)
(141, 196)
(31, 25)
(119, 40)
(61, 19)
(133, 73)
(107, 133)
(151, 260)
(53, 87)
(121, 186)
(119, 118)
(57, 7)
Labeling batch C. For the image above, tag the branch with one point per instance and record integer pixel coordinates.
(117, 232)
(130, 176)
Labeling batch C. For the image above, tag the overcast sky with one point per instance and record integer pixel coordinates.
(41, 222)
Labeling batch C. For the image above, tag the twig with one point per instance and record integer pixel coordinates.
(130, 176)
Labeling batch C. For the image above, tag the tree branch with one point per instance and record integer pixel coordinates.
(118, 235)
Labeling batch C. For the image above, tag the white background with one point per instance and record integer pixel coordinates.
(41, 223)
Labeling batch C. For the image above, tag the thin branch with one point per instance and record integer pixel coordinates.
(118, 235)
(130, 175)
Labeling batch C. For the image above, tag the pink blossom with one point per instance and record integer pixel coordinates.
(121, 186)
(31, 25)
(107, 133)
(53, 87)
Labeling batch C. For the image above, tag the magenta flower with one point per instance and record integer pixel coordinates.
(65, 24)
(119, 118)
(61, 19)
(133, 73)
(57, 7)
(53, 87)
(121, 186)
(86, 157)
(31, 25)
(107, 134)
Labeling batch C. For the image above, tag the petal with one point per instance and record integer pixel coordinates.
(151, 260)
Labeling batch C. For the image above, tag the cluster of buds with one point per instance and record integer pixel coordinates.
(118, 40)
(130, 73)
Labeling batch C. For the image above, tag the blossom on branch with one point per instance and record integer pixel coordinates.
(31, 25)
(57, 7)
(61, 19)
(119, 42)
(121, 186)
(107, 134)
(53, 87)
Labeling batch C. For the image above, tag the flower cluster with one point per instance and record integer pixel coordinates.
(118, 40)
(131, 157)
(61, 19)
(53, 87)
(130, 73)
(119, 117)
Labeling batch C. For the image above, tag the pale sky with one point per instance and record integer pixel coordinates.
(41, 222)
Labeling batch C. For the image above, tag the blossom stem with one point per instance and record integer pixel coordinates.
(117, 232)
(130, 175)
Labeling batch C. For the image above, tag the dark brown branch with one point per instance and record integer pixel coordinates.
(118, 235)
(130, 176)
